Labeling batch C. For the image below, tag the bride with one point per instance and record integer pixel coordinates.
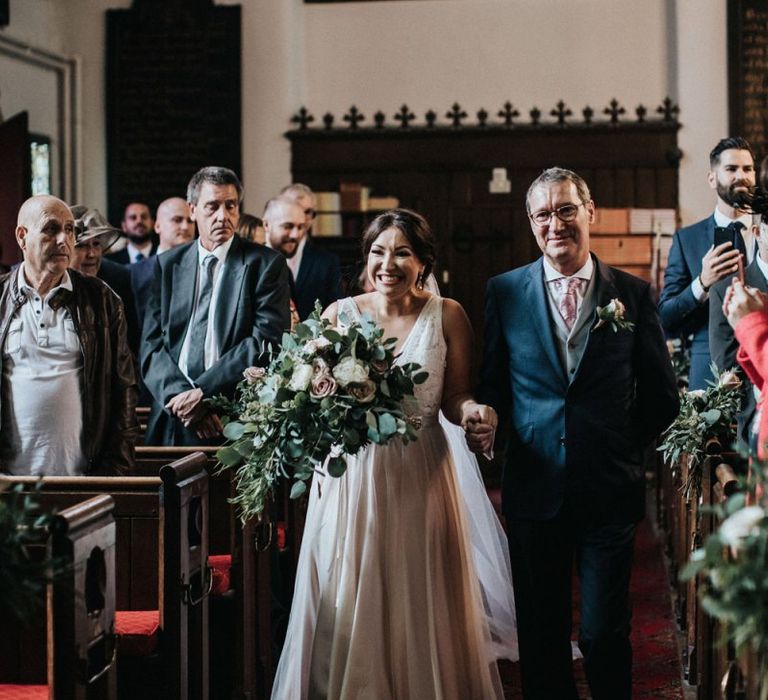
(403, 587)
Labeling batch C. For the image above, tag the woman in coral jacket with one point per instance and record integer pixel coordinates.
(746, 309)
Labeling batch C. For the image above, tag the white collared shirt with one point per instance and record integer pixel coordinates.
(133, 251)
(583, 273)
(211, 343)
(294, 263)
(42, 401)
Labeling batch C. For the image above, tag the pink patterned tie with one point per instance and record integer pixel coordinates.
(567, 301)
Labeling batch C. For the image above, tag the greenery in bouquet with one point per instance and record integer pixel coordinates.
(326, 394)
(704, 414)
(23, 576)
(733, 564)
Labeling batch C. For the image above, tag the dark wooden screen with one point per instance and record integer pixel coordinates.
(443, 172)
(173, 97)
(748, 71)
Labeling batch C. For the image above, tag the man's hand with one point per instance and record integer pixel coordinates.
(741, 300)
(479, 422)
(719, 262)
(188, 406)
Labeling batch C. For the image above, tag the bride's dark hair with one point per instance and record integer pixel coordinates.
(413, 226)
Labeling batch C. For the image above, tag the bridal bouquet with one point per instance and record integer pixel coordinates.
(325, 394)
(704, 414)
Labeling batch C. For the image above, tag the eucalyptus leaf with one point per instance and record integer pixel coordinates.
(337, 466)
(298, 489)
(234, 430)
(229, 456)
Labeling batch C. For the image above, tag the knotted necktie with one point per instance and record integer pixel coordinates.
(567, 300)
(139, 257)
(738, 239)
(199, 327)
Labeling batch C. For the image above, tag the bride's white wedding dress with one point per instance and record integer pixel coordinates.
(402, 588)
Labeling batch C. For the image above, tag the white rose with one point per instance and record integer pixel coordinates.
(320, 368)
(301, 377)
(742, 523)
(696, 393)
(617, 308)
(350, 371)
(254, 374)
(729, 380)
(315, 345)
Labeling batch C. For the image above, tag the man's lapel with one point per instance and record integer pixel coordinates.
(306, 267)
(605, 290)
(754, 277)
(184, 279)
(536, 296)
(225, 313)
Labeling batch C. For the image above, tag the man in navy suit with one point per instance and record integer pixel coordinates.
(216, 307)
(696, 263)
(583, 392)
(174, 226)
(137, 228)
(316, 272)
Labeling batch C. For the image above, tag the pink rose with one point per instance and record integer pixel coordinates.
(254, 374)
(320, 367)
(323, 385)
(363, 392)
(379, 366)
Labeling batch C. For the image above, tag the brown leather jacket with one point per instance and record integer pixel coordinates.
(109, 388)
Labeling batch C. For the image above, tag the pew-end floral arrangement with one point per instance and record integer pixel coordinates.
(733, 565)
(23, 575)
(326, 394)
(704, 414)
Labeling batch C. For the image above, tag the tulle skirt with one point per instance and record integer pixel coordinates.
(387, 602)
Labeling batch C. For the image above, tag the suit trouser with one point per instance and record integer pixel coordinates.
(543, 554)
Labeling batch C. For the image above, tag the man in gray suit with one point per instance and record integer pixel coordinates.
(722, 341)
(216, 307)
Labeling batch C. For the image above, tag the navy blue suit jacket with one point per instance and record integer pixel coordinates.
(577, 442)
(142, 274)
(681, 314)
(119, 278)
(121, 256)
(319, 278)
(252, 313)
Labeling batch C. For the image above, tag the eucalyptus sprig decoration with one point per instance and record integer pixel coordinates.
(23, 572)
(704, 414)
(733, 565)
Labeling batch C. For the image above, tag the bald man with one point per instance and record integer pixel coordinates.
(68, 392)
(316, 272)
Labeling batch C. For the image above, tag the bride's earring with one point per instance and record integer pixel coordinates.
(420, 281)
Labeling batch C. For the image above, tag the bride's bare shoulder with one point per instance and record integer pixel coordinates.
(454, 317)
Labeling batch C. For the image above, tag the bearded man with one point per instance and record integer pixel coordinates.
(708, 251)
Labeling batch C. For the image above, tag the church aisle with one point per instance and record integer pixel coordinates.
(656, 664)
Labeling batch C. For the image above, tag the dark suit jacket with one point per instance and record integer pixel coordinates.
(252, 313)
(319, 278)
(581, 442)
(142, 273)
(121, 256)
(119, 278)
(723, 344)
(681, 314)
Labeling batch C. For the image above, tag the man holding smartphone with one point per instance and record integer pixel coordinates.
(708, 251)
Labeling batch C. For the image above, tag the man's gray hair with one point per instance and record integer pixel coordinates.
(297, 189)
(213, 175)
(554, 175)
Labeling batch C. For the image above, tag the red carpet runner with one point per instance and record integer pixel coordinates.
(656, 674)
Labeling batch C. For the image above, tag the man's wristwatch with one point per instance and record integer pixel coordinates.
(703, 287)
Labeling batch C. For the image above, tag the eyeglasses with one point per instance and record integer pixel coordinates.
(566, 214)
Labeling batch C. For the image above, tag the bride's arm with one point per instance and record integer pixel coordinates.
(331, 312)
(459, 404)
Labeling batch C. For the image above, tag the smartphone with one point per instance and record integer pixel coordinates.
(723, 235)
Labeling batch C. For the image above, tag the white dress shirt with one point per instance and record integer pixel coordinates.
(211, 344)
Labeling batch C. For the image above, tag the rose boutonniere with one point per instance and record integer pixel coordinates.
(613, 314)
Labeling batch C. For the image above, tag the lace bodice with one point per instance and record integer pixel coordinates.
(425, 344)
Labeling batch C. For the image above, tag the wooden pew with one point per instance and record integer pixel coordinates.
(248, 615)
(80, 608)
(137, 512)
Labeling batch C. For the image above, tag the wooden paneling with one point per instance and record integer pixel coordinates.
(632, 249)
